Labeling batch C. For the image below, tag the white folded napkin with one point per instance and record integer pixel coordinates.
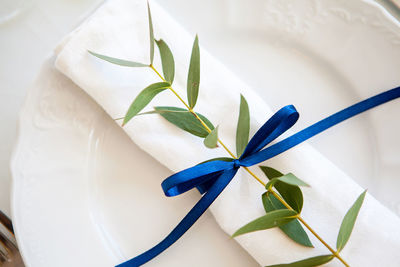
(119, 28)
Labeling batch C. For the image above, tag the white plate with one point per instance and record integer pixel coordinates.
(82, 190)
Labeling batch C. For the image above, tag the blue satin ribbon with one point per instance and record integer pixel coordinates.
(212, 177)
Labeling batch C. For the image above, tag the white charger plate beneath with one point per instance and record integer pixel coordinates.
(80, 184)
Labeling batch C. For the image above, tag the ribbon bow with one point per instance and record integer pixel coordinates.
(211, 178)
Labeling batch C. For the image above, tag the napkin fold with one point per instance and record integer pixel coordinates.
(119, 28)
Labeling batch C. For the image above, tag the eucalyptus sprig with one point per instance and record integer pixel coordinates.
(283, 198)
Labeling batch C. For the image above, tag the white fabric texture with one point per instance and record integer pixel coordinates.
(119, 28)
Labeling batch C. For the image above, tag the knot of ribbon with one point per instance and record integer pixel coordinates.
(236, 163)
(211, 177)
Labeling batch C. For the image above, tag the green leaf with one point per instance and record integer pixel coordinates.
(211, 140)
(290, 193)
(193, 80)
(289, 179)
(243, 127)
(118, 61)
(167, 60)
(271, 203)
(143, 98)
(214, 159)
(348, 222)
(185, 120)
(294, 230)
(271, 173)
(151, 34)
(310, 262)
(270, 220)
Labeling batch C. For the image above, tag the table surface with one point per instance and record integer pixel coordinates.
(28, 37)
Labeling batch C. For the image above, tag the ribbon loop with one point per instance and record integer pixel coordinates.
(197, 176)
(279, 123)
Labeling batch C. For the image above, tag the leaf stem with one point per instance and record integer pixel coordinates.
(194, 113)
(334, 253)
(176, 94)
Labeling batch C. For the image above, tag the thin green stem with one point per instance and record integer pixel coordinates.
(191, 111)
(334, 253)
